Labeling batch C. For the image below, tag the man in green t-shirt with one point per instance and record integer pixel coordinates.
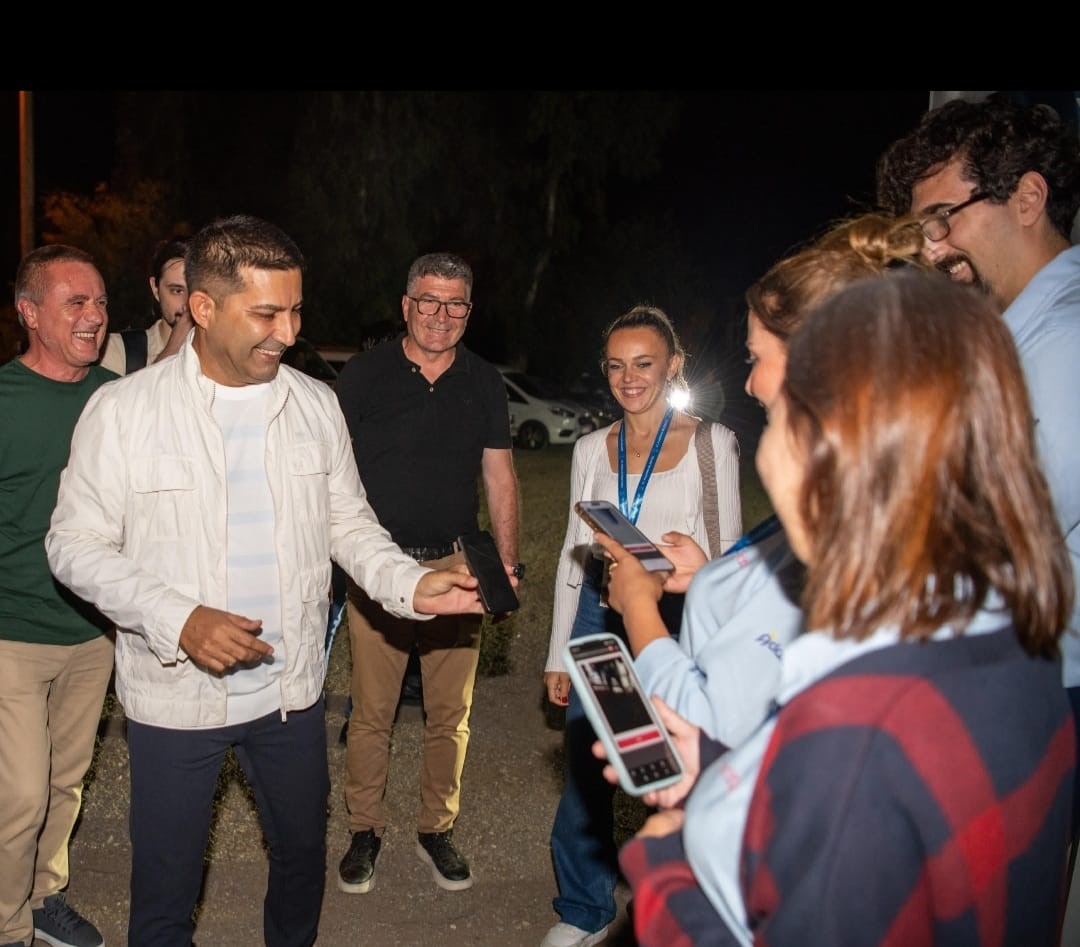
(55, 658)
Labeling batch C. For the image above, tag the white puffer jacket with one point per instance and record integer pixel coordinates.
(139, 529)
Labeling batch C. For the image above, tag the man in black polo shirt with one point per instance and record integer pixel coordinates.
(427, 416)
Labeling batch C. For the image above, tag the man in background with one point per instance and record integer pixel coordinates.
(55, 657)
(997, 187)
(135, 348)
(427, 418)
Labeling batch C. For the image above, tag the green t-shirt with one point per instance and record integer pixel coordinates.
(37, 418)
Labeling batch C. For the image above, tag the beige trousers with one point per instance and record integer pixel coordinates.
(50, 708)
(449, 647)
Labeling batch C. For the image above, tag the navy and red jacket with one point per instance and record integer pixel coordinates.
(918, 794)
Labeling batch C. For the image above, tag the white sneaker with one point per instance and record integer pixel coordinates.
(566, 935)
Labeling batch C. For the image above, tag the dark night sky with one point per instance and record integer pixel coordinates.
(754, 173)
(749, 174)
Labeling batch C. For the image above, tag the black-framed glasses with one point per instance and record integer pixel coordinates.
(430, 306)
(936, 226)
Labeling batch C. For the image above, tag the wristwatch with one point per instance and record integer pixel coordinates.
(518, 572)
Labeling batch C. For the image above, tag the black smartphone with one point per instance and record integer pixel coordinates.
(483, 559)
(605, 517)
(637, 743)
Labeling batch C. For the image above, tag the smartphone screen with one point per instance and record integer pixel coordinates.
(483, 559)
(605, 517)
(637, 744)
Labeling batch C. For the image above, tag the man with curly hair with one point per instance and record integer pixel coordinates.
(996, 185)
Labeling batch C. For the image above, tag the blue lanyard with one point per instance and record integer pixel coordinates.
(763, 530)
(632, 512)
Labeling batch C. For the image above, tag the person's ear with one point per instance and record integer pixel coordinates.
(27, 313)
(154, 288)
(1031, 196)
(202, 308)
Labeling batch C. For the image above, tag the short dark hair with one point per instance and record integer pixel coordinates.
(170, 249)
(30, 275)
(217, 253)
(443, 265)
(998, 141)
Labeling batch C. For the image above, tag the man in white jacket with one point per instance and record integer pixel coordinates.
(202, 504)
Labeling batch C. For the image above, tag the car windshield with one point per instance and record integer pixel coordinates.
(534, 387)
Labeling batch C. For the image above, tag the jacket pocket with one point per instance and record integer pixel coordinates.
(164, 497)
(314, 606)
(309, 476)
(315, 584)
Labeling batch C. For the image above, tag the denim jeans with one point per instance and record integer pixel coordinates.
(582, 838)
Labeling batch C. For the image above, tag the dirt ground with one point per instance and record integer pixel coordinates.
(511, 787)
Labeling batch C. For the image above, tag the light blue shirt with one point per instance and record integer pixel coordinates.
(1045, 322)
(741, 612)
(718, 805)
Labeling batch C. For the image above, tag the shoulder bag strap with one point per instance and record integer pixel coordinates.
(709, 503)
(135, 349)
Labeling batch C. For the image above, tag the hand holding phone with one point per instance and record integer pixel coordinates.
(482, 557)
(622, 588)
(637, 745)
(605, 517)
(686, 738)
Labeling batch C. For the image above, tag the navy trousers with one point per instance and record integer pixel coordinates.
(174, 775)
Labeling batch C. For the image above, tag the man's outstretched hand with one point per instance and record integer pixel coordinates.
(449, 591)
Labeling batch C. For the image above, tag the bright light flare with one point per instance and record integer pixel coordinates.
(679, 398)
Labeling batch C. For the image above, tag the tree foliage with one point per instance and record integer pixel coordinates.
(120, 230)
(521, 184)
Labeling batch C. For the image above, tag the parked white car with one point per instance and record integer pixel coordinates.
(539, 416)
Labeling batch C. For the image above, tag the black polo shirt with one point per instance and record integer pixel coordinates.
(419, 445)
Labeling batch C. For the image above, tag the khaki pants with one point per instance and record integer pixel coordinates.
(50, 708)
(449, 648)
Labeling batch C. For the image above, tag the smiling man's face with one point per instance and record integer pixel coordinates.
(980, 245)
(241, 340)
(67, 328)
(439, 333)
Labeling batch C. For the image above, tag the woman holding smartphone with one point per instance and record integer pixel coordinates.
(647, 465)
(722, 670)
(913, 783)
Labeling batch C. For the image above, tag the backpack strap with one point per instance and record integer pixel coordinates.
(709, 503)
(134, 349)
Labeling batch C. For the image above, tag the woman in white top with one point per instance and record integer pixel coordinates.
(646, 464)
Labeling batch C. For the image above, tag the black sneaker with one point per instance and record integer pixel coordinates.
(57, 923)
(448, 867)
(356, 873)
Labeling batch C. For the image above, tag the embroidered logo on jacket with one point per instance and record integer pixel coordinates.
(768, 640)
